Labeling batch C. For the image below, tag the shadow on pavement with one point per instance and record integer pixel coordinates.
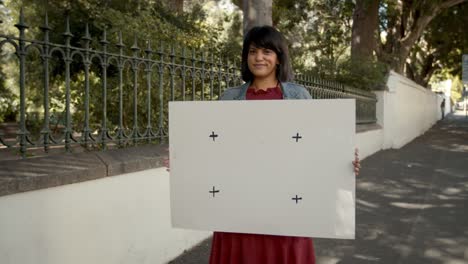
(411, 203)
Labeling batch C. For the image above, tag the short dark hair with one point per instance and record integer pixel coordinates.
(269, 38)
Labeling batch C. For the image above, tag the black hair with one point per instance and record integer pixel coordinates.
(269, 38)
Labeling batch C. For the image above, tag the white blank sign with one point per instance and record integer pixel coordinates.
(280, 167)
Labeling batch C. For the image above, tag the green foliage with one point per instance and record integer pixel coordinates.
(363, 74)
(147, 20)
(457, 89)
(331, 34)
(319, 32)
(8, 99)
(231, 47)
(447, 39)
(434, 48)
(287, 14)
(144, 21)
(440, 49)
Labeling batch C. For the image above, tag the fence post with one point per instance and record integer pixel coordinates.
(104, 65)
(135, 50)
(45, 132)
(120, 67)
(21, 53)
(161, 92)
(68, 60)
(148, 51)
(87, 63)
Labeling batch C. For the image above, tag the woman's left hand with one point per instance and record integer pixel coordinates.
(356, 162)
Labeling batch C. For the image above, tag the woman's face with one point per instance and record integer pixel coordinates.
(262, 62)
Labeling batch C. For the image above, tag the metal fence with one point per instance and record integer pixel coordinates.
(126, 103)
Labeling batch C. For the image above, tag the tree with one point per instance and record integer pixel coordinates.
(403, 22)
(440, 48)
(138, 20)
(365, 29)
(256, 12)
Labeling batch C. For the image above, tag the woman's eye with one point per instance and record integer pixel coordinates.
(251, 51)
(267, 51)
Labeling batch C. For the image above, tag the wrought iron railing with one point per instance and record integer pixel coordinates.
(323, 89)
(131, 105)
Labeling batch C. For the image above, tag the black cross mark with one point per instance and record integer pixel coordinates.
(297, 137)
(213, 135)
(297, 198)
(214, 191)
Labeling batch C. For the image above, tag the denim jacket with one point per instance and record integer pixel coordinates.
(290, 91)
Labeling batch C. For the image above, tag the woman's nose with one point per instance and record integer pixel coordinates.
(258, 56)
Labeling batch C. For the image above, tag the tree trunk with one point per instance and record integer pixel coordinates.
(257, 13)
(365, 29)
(176, 5)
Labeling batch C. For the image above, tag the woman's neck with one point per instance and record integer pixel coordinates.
(264, 83)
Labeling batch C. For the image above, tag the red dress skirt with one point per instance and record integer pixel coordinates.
(236, 248)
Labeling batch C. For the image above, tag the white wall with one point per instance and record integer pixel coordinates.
(409, 110)
(121, 219)
(405, 111)
(369, 142)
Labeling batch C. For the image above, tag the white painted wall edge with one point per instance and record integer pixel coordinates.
(119, 219)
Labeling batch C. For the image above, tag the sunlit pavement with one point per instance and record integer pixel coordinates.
(412, 204)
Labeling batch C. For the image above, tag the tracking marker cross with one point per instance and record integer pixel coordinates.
(213, 135)
(297, 137)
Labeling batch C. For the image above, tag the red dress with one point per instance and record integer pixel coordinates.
(236, 248)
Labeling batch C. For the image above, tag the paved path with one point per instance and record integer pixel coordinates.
(412, 205)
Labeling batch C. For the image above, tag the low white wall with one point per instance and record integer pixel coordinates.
(405, 111)
(120, 219)
(369, 142)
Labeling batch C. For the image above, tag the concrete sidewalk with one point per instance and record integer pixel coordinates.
(412, 205)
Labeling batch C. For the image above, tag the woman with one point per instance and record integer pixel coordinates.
(266, 70)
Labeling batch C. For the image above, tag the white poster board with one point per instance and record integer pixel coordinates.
(280, 167)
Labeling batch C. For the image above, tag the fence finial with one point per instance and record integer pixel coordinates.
(120, 45)
(21, 25)
(148, 47)
(67, 33)
(21, 16)
(135, 47)
(46, 27)
(46, 21)
(87, 36)
(104, 41)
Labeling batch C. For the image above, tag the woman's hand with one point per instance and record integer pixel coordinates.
(356, 162)
(166, 161)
